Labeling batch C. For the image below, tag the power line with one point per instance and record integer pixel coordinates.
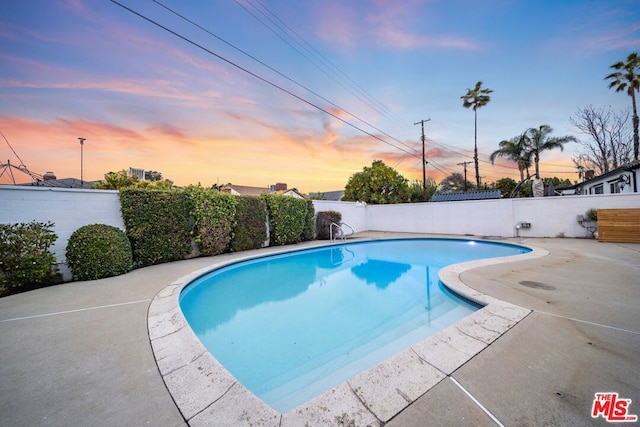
(355, 85)
(255, 75)
(334, 77)
(276, 71)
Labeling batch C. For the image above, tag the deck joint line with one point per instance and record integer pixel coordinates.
(590, 323)
(477, 402)
(35, 316)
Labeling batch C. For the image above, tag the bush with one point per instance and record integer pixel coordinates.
(287, 218)
(159, 225)
(97, 251)
(309, 226)
(323, 223)
(251, 224)
(26, 261)
(215, 215)
(591, 215)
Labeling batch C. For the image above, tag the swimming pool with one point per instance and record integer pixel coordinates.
(289, 327)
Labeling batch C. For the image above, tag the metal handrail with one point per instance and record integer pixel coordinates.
(340, 232)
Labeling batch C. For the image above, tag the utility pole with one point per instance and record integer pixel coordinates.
(81, 161)
(464, 165)
(424, 163)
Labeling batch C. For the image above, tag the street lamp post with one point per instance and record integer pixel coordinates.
(81, 161)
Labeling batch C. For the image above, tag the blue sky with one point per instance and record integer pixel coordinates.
(145, 98)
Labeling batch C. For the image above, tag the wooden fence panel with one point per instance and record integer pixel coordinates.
(619, 225)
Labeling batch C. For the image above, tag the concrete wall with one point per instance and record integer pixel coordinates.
(68, 209)
(549, 216)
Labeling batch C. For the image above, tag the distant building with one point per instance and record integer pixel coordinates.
(333, 196)
(244, 190)
(136, 172)
(62, 183)
(624, 179)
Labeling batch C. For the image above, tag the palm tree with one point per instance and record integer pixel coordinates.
(627, 76)
(476, 98)
(540, 141)
(516, 149)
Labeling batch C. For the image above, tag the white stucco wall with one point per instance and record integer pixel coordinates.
(353, 213)
(549, 216)
(68, 209)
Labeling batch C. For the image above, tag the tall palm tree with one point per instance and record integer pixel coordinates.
(627, 76)
(516, 149)
(541, 141)
(476, 98)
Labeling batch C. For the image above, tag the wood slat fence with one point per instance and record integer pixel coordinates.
(619, 225)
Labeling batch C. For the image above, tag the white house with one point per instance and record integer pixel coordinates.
(625, 179)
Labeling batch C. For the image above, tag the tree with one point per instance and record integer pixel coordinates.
(454, 183)
(378, 184)
(611, 143)
(516, 149)
(541, 141)
(415, 190)
(506, 186)
(557, 182)
(153, 175)
(476, 98)
(627, 76)
(121, 179)
(117, 180)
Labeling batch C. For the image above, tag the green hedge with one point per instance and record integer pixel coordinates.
(214, 214)
(26, 261)
(251, 224)
(159, 225)
(309, 227)
(98, 250)
(288, 218)
(323, 223)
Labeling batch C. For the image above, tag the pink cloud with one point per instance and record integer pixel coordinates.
(386, 23)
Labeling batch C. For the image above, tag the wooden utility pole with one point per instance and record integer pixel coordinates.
(464, 165)
(82, 140)
(424, 162)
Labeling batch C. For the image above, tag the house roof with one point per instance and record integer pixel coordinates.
(334, 196)
(631, 166)
(62, 183)
(245, 190)
(469, 195)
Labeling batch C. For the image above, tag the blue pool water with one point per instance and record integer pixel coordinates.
(292, 326)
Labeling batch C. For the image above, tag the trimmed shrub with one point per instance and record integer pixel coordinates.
(287, 219)
(26, 261)
(323, 223)
(159, 225)
(251, 224)
(97, 251)
(215, 215)
(310, 226)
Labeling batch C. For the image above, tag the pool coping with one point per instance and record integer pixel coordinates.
(207, 394)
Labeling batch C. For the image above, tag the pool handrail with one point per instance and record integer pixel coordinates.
(340, 232)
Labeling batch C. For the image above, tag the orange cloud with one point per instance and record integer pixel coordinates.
(303, 161)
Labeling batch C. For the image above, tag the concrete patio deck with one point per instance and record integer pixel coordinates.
(79, 353)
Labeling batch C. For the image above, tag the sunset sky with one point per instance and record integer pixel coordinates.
(322, 89)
